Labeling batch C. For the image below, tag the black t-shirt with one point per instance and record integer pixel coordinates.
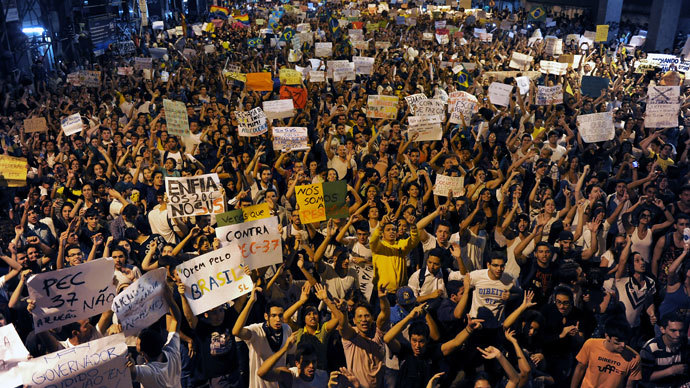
(416, 371)
(217, 347)
(538, 279)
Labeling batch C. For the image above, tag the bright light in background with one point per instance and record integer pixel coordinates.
(33, 30)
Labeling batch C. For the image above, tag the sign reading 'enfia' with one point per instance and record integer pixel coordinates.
(214, 278)
(194, 196)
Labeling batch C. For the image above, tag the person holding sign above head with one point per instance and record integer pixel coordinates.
(163, 364)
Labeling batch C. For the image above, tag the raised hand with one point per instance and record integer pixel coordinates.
(489, 352)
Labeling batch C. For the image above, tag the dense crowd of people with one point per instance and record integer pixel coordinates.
(560, 263)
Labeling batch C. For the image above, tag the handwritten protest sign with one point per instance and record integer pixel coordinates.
(592, 86)
(499, 93)
(290, 138)
(36, 124)
(317, 76)
(340, 70)
(125, 70)
(251, 123)
(428, 127)
(382, 107)
(194, 196)
(523, 84)
(278, 109)
(602, 34)
(502, 75)
(363, 65)
(290, 77)
(90, 78)
(176, 117)
(257, 241)
(411, 100)
(323, 49)
(445, 184)
(365, 274)
(100, 363)
(554, 46)
(520, 61)
(68, 295)
(143, 63)
(72, 124)
(322, 201)
(462, 104)
(12, 171)
(11, 353)
(663, 104)
(596, 127)
(142, 303)
(247, 213)
(74, 78)
(549, 95)
(214, 278)
(553, 67)
(429, 107)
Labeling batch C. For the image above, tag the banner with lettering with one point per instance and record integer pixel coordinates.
(251, 123)
(445, 184)
(72, 124)
(12, 171)
(70, 294)
(549, 95)
(194, 196)
(142, 303)
(382, 107)
(214, 278)
(247, 213)
(321, 201)
(290, 138)
(258, 241)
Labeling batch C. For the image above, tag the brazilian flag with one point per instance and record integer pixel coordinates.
(253, 42)
(274, 23)
(287, 34)
(464, 80)
(333, 23)
(538, 13)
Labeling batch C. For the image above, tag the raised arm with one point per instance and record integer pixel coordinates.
(239, 330)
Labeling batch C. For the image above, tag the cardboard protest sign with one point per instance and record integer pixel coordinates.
(257, 241)
(592, 86)
(412, 99)
(290, 77)
(260, 82)
(176, 119)
(382, 107)
(520, 61)
(340, 70)
(553, 67)
(11, 353)
(461, 105)
(549, 95)
(499, 93)
(317, 76)
(322, 201)
(143, 63)
(278, 109)
(142, 303)
(90, 78)
(323, 49)
(247, 213)
(36, 124)
(290, 138)
(596, 127)
(554, 46)
(71, 124)
(251, 123)
(445, 184)
(363, 65)
(429, 107)
(428, 127)
(70, 294)
(12, 171)
(214, 278)
(663, 104)
(125, 70)
(100, 363)
(602, 34)
(194, 196)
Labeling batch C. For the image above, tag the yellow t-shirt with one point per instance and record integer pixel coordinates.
(389, 259)
(605, 368)
(663, 163)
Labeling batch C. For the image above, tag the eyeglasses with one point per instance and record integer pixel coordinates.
(564, 303)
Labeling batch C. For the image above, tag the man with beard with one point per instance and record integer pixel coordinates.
(303, 375)
(665, 358)
(263, 339)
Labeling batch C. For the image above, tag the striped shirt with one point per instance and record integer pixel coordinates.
(656, 356)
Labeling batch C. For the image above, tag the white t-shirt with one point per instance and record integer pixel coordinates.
(431, 283)
(488, 293)
(512, 266)
(634, 297)
(161, 224)
(320, 380)
(341, 167)
(163, 374)
(260, 351)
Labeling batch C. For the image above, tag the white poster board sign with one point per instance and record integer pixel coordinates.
(549, 95)
(290, 138)
(12, 352)
(596, 127)
(142, 303)
(323, 49)
(499, 93)
(520, 61)
(252, 122)
(194, 196)
(71, 124)
(663, 104)
(445, 184)
(428, 127)
(278, 109)
(258, 241)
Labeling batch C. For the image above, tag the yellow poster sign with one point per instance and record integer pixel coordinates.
(312, 206)
(12, 171)
(290, 77)
(602, 33)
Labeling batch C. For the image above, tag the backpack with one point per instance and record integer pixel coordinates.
(422, 276)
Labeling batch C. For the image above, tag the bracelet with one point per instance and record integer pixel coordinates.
(468, 330)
